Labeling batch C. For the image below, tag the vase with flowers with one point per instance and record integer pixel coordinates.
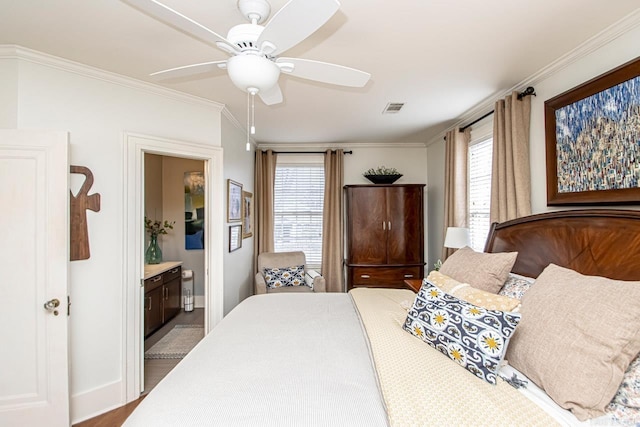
(153, 254)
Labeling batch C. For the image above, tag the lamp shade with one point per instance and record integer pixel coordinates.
(457, 237)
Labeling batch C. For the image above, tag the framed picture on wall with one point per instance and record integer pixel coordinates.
(234, 201)
(235, 237)
(247, 214)
(592, 135)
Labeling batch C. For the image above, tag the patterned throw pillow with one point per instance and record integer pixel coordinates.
(516, 286)
(284, 276)
(474, 337)
(629, 391)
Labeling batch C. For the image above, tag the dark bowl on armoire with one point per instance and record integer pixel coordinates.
(383, 179)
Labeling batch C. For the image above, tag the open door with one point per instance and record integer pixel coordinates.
(34, 189)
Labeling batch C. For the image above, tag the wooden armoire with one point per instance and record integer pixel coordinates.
(385, 234)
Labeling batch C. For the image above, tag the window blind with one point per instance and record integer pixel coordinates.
(480, 158)
(298, 205)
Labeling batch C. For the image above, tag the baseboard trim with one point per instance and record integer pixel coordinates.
(96, 402)
(198, 301)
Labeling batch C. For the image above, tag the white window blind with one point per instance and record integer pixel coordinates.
(298, 204)
(480, 157)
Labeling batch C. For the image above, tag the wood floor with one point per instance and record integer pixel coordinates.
(154, 371)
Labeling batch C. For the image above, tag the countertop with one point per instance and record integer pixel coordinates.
(151, 270)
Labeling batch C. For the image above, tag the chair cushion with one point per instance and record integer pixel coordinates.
(289, 289)
(277, 277)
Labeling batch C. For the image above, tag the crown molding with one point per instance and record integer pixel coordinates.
(604, 37)
(337, 145)
(231, 118)
(25, 54)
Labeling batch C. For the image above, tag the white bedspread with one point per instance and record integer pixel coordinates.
(275, 360)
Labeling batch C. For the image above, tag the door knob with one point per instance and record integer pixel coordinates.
(51, 305)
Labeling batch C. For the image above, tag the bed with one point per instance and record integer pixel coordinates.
(353, 360)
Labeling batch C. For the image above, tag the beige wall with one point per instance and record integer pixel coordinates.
(152, 190)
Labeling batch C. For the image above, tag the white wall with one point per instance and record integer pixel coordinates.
(239, 167)
(8, 93)
(96, 108)
(409, 160)
(616, 52)
(435, 202)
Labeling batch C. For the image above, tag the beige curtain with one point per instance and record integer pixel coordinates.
(455, 182)
(510, 175)
(332, 224)
(265, 177)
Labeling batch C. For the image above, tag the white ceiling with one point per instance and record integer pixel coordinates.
(440, 57)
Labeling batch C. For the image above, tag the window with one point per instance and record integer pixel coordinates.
(298, 204)
(480, 157)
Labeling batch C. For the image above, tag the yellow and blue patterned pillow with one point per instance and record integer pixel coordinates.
(284, 276)
(472, 336)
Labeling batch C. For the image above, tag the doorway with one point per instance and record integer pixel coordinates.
(136, 148)
(173, 194)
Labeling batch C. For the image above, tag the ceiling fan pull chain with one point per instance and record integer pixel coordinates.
(253, 113)
(248, 123)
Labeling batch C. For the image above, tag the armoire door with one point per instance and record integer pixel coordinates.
(405, 242)
(367, 223)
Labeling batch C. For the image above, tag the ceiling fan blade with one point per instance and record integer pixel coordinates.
(271, 96)
(169, 16)
(325, 72)
(188, 70)
(296, 21)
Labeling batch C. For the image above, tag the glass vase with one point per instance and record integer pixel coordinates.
(153, 254)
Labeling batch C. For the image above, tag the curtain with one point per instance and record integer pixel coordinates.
(265, 176)
(510, 174)
(332, 224)
(455, 182)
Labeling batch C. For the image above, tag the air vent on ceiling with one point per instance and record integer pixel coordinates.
(393, 107)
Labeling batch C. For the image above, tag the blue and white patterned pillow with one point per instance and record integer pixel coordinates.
(285, 276)
(473, 336)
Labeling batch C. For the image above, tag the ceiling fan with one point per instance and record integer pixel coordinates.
(255, 64)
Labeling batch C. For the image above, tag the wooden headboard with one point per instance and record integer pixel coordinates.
(599, 242)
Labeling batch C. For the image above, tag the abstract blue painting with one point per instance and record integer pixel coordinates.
(598, 140)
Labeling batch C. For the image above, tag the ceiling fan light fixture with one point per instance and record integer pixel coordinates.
(245, 36)
(252, 71)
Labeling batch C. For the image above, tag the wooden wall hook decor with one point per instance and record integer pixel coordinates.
(79, 206)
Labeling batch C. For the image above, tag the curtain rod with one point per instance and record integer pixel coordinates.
(307, 152)
(528, 91)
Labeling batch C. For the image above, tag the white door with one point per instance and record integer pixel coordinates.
(34, 197)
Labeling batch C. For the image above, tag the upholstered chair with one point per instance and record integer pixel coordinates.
(313, 281)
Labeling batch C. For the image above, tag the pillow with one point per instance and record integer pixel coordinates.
(481, 270)
(194, 241)
(470, 294)
(577, 337)
(472, 336)
(284, 276)
(516, 286)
